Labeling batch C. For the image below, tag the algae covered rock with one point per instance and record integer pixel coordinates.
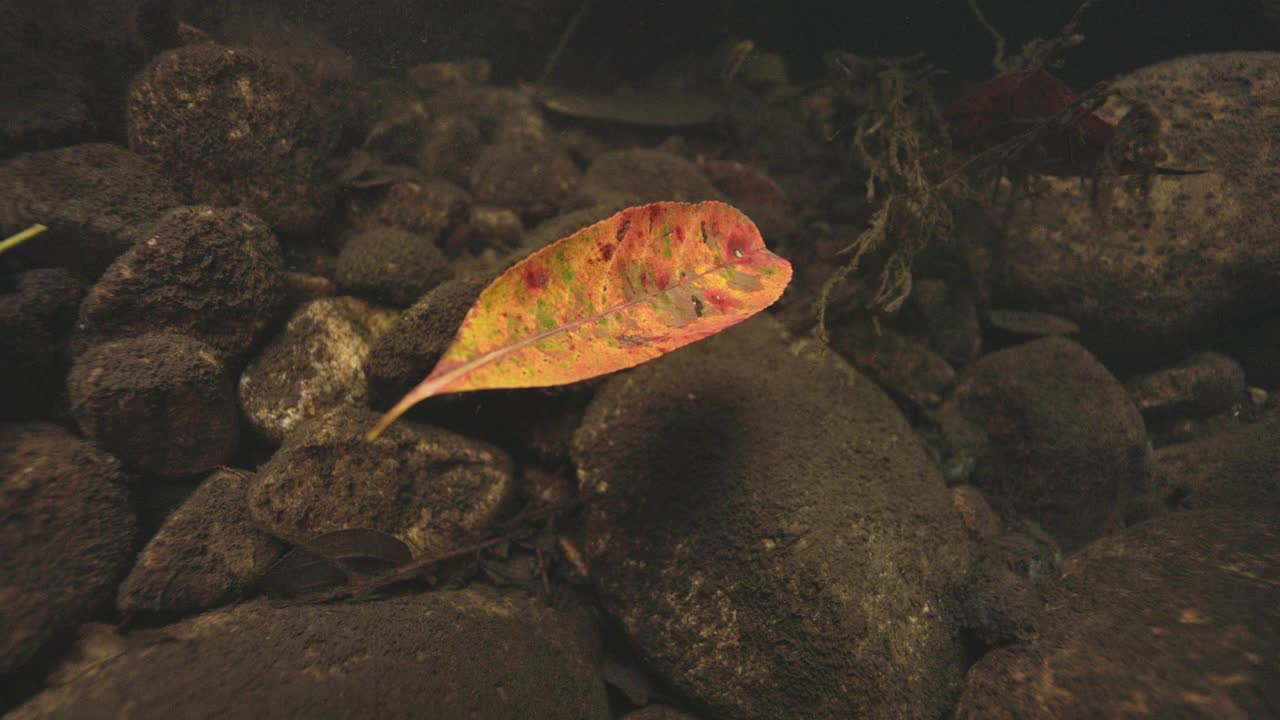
(213, 274)
(1176, 617)
(771, 535)
(471, 653)
(1146, 264)
(1052, 435)
(429, 488)
(97, 200)
(239, 126)
(160, 401)
(67, 532)
(206, 553)
(391, 265)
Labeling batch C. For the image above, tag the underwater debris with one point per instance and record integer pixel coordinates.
(898, 136)
(651, 109)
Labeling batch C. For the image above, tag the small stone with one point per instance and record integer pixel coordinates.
(644, 176)
(535, 179)
(494, 227)
(41, 116)
(67, 532)
(1013, 326)
(239, 126)
(472, 653)
(432, 209)
(1239, 466)
(315, 364)
(1205, 384)
(900, 363)
(213, 274)
(160, 401)
(451, 145)
(207, 552)
(428, 487)
(1150, 622)
(1055, 436)
(97, 200)
(391, 265)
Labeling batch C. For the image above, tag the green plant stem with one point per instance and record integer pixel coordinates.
(14, 241)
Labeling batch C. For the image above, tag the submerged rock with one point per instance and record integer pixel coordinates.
(1202, 385)
(35, 320)
(432, 209)
(391, 265)
(771, 536)
(1176, 617)
(643, 176)
(532, 177)
(314, 365)
(471, 653)
(206, 553)
(97, 200)
(1164, 259)
(215, 275)
(160, 401)
(1237, 467)
(67, 533)
(238, 126)
(427, 487)
(1053, 436)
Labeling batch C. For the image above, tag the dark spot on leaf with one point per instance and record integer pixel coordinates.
(705, 238)
(606, 251)
(535, 276)
(623, 228)
(697, 305)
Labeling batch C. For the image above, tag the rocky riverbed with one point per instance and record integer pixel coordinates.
(1048, 486)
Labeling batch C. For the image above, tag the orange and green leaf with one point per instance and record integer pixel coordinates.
(625, 290)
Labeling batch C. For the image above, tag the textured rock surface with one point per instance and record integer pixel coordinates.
(449, 654)
(206, 554)
(432, 209)
(216, 275)
(534, 178)
(67, 533)
(430, 488)
(1166, 258)
(772, 538)
(160, 401)
(391, 265)
(1053, 436)
(97, 201)
(35, 320)
(643, 176)
(238, 126)
(1172, 618)
(315, 364)
(1203, 384)
(1239, 467)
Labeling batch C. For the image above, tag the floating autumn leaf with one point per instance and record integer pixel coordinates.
(626, 290)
